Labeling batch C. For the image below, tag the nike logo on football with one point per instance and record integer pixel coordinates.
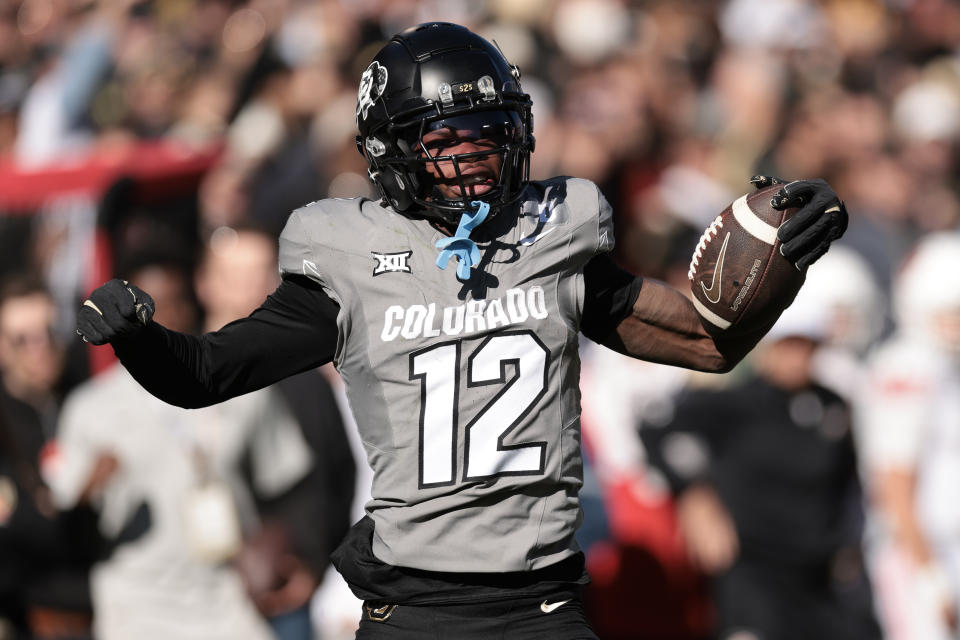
(715, 283)
(550, 608)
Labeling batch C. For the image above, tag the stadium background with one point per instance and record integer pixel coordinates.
(124, 121)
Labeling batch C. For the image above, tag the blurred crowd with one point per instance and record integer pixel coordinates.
(163, 139)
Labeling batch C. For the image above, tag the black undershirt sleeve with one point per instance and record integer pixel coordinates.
(609, 295)
(295, 329)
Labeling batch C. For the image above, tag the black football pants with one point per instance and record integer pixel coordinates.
(516, 619)
(767, 603)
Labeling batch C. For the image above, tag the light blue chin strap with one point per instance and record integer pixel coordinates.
(460, 244)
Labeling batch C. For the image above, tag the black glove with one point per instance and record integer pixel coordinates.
(761, 182)
(822, 218)
(114, 309)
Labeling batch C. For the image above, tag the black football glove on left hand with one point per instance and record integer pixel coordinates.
(115, 309)
(822, 218)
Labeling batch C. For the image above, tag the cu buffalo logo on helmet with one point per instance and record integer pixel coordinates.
(372, 83)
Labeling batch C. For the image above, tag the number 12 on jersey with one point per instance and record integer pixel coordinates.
(486, 453)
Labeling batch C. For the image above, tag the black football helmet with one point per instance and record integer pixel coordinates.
(441, 75)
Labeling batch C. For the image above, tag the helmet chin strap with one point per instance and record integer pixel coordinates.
(460, 244)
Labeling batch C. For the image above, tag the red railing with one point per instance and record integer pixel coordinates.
(159, 172)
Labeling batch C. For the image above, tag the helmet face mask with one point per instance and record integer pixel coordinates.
(463, 158)
(440, 111)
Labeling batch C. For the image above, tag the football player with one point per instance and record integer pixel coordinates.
(909, 424)
(463, 381)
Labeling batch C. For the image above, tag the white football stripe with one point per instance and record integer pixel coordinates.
(753, 224)
(710, 316)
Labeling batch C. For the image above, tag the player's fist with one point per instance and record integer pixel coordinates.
(113, 310)
(821, 218)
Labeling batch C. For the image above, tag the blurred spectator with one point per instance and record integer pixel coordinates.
(45, 555)
(620, 393)
(622, 396)
(48, 129)
(303, 525)
(660, 93)
(768, 496)
(642, 585)
(857, 316)
(910, 426)
(168, 486)
(335, 606)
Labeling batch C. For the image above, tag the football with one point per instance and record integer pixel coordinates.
(738, 278)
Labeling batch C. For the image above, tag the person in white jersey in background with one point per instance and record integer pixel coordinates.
(909, 425)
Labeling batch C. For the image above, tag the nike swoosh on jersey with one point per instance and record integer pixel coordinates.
(536, 236)
(550, 608)
(715, 283)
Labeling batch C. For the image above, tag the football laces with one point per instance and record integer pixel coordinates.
(709, 233)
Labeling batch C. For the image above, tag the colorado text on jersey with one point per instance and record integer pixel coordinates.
(419, 320)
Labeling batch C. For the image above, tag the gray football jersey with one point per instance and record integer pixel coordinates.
(466, 393)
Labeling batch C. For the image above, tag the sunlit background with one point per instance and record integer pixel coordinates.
(129, 127)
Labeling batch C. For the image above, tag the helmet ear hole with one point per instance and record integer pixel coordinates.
(394, 188)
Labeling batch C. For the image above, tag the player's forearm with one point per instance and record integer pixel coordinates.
(295, 329)
(245, 355)
(896, 491)
(666, 328)
(170, 365)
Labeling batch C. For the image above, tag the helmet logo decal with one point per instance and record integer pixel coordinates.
(485, 84)
(372, 83)
(446, 93)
